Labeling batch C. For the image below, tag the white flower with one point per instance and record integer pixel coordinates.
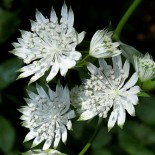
(50, 45)
(101, 45)
(145, 67)
(105, 89)
(41, 152)
(47, 116)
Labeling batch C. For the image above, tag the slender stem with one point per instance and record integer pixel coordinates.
(82, 62)
(84, 150)
(124, 19)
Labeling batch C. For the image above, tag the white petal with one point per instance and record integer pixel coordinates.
(64, 13)
(93, 69)
(75, 55)
(130, 108)
(59, 89)
(132, 81)
(53, 72)
(86, 115)
(133, 99)
(30, 136)
(51, 93)
(64, 133)
(70, 18)
(112, 120)
(126, 68)
(53, 16)
(121, 117)
(37, 141)
(57, 138)
(134, 90)
(65, 95)
(69, 125)
(41, 91)
(39, 17)
(96, 39)
(70, 114)
(47, 144)
(81, 36)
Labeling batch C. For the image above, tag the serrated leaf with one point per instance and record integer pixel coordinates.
(8, 71)
(7, 135)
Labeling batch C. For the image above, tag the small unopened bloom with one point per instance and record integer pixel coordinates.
(101, 45)
(50, 45)
(47, 116)
(145, 66)
(107, 88)
(41, 152)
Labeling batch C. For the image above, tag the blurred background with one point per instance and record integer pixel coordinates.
(138, 135)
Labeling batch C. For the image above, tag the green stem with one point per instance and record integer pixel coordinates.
(82, 62)
(124, 19)
(84, 150)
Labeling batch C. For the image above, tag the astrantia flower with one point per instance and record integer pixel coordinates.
(47, 116)
(101, 45)
(106, 89)
(41, 152)
(50, 45)
(145, 67)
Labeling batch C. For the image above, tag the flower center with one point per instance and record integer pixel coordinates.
(115, 92)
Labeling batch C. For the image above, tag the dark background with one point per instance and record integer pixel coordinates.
(138, 134)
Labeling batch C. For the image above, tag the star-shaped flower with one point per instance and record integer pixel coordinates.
(101, 45)
(47, 116)
(107, 89)
(51, 44)
(145, 67)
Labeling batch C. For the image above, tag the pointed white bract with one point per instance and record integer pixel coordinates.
(107, 88)
(145, 66)
(50, 45)
(47, 116)
(41, 152)
(101, 45)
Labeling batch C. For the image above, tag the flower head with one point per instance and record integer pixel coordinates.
(145, 67)
(47, 116)
(41, 152)
(106, 89)
(101, 45)
(50, 45)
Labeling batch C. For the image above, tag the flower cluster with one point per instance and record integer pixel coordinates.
(101, 45)
(50, 44)
(105, 89)
(47, 116)
(145, 67)
(50, 47)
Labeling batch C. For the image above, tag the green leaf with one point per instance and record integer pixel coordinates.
(8, 71)
(131, 145)
(129, 51)
(103, 138)
(7, 135)
(8, 24)
(148, 85)
(143, 133)
(143, 94)
(101, 152)
(146, 110)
